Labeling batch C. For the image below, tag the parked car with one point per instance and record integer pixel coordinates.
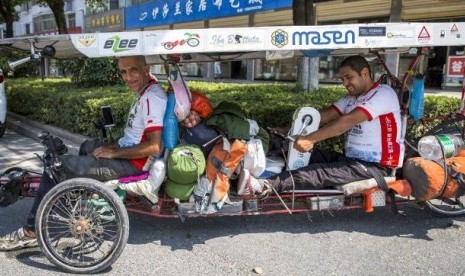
(2, 105)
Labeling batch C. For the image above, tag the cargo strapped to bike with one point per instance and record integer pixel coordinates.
(458, 177)
(431, 179)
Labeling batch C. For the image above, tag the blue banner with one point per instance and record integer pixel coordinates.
(164, 12)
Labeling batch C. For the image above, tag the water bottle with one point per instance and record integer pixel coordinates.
(170, 124)
(432, 147)
(417, 103)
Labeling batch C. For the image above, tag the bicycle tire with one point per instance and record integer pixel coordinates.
(442, 207)
(77, 234)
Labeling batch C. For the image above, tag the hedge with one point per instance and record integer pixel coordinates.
(58, 102)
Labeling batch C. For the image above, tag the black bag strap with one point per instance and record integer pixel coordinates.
(390, 193)
(458, 177)
(460, 180)
(446, 173)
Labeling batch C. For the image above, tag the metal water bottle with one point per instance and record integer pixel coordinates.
(170, 132)
(435, 147)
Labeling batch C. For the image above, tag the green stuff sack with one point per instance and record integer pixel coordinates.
(186, 164)
(180, 191)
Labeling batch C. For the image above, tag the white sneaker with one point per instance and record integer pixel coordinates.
(17, 240)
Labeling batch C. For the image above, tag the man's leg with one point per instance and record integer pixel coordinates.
(330, 169)
(46, 184)
(102, 169)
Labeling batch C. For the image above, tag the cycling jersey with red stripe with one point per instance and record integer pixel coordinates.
(379, 138)
(146, 115)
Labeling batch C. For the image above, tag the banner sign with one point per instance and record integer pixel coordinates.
(330, 37)
(110, 21)
(165, 12)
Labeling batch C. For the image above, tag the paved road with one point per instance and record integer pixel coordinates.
(341, 243)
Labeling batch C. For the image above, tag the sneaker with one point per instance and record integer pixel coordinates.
(247, 185)
(268, 185)
(17, 240)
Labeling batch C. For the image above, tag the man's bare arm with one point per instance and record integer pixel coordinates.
(327, 115)
(332, 129)
(144, 149)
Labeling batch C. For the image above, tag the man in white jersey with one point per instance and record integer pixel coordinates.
(370, 115)
(142, 138)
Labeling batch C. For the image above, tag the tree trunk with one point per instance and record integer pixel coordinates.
(57, 7)
(8, 13)
(307, 75)
(392, 59)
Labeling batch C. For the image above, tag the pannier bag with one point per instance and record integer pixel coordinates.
(427, 177)
(222, 162)
(255, 159)
(201, 104)
(200, 135)
(186, 164)
(179, 191)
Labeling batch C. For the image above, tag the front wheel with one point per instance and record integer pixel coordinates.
(82, 226)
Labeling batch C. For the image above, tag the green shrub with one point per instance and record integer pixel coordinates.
(58, 102)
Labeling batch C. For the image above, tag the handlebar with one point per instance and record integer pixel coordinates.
(54, 147)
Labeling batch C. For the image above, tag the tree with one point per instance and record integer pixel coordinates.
(303, 14)
(8, 14)
(57, 7)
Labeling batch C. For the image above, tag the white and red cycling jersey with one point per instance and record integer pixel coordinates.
(379, 138)
(146, 115)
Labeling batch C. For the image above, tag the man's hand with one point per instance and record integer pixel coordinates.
(303, 144)
(103, 152)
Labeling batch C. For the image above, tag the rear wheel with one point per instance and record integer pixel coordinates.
(82, 226)
(446, 207)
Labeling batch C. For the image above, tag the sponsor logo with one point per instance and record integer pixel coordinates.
(87, 40)
(220, 40)
(279, 38)
(372, 31)
(323, 38)
(191, 39)
(117, 45)
(399, 34)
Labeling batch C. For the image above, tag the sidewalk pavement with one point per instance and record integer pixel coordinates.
(32, 129)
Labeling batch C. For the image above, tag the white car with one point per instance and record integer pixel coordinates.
(2, 105)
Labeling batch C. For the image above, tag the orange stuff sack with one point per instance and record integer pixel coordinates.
(201, 104)
(427, 177)
(221, 164)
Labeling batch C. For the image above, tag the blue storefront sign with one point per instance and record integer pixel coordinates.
(164, 12)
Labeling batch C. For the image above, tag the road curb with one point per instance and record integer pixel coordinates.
(31, 129)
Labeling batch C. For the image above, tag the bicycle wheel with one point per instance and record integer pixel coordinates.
(454, 125)
(446, 207)
(82, 226)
